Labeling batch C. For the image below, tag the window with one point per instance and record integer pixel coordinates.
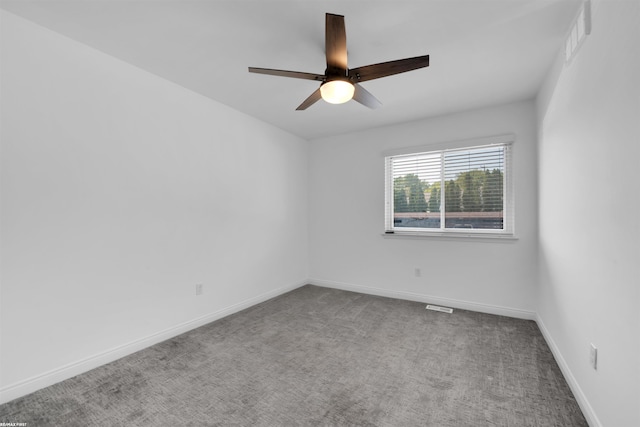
(462, 190)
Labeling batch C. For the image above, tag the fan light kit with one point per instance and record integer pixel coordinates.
(337, 91)
(339, 84)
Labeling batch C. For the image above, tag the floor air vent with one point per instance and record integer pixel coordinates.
(438, 308)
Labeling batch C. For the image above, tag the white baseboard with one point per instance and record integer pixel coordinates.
(21, 388)
(584, 404)
(448, 302)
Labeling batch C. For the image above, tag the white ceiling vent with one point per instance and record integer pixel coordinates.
(580, 28)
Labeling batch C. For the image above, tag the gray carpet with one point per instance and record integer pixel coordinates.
(323, 357)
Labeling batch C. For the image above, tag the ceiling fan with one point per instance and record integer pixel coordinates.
(339, 83)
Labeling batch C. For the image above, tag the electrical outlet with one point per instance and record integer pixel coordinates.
(593, 352)
(417, 272)
(198, 288)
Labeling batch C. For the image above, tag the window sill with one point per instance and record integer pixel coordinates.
(451, 236)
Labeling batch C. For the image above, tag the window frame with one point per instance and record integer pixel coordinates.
(507, 232)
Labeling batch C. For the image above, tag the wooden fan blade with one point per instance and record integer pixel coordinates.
(375, 71)
(365, 98)
(335, 44)
(284, 73)
(312, 99)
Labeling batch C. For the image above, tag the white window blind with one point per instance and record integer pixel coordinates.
(452, 190)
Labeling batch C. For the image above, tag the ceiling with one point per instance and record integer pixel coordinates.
(482, 52)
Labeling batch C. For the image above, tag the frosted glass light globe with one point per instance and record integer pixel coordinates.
(337, 91)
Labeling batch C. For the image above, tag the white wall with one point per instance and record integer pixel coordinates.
(589, 114)
(346, 219)
(120, 192)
